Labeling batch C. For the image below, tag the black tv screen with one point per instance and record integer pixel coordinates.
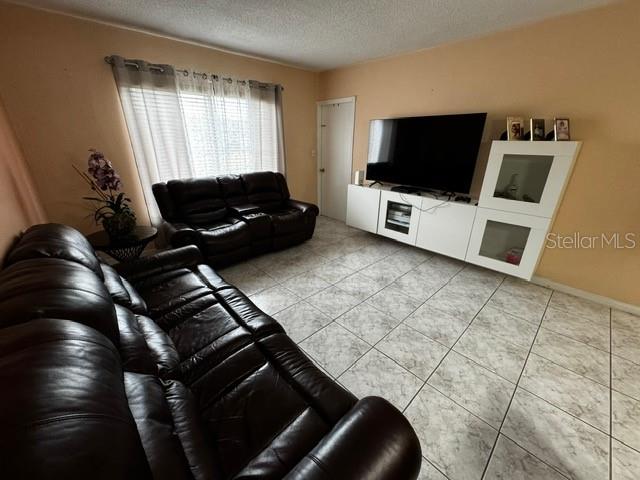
(437, 152)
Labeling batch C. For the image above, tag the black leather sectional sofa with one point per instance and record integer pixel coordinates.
(233, 217)
(168, 372)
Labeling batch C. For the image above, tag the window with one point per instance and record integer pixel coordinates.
(185, 125)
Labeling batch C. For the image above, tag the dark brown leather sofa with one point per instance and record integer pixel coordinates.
(171, 374)
(233, 217)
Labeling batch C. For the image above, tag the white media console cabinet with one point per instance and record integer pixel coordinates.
(506, 231)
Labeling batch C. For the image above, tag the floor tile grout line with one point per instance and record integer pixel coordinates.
(453, 400)
(451, 347)
(515, 391)
(482, 366)
(334, 320)
(562, 474)
(570, 370)
(576, 340)
(562, 409)
(432, 463)
(401, 322)
(626, 444)
(424, 335)
(374, 345)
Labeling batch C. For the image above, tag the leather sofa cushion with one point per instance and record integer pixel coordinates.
(170, 429)
(233, 190)
(226, 235)
(236, 360)
(205, 317)
(282, 182)
(164, 201)
(135, 354)
(198, 201)
(67, 414)
(155, 425)
(233, 395)
(160, 346)
(55, 288)
(263, 189)
(121, 291)
(53, 240)
(190, 430)
(287, 221)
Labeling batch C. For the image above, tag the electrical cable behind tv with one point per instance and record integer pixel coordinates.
(420, 209)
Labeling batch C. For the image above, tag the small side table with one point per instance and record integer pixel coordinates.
(125, 249)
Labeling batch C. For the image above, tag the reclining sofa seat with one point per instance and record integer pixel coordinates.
(171, 374)
(233, 217)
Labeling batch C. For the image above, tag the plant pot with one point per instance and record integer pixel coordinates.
(119, 225)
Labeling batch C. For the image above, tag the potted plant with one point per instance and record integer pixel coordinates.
(113, 207)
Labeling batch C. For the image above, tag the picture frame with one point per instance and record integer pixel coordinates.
(515, 128)
(561, 129)
(537, 129)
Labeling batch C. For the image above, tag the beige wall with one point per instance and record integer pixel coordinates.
(585, 66)
(19, 204)
(61, 98)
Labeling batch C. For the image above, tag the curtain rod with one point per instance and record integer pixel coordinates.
(161, 68)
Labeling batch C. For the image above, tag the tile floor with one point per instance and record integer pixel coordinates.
(501, 379)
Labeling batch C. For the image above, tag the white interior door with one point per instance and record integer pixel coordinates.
(335, 156)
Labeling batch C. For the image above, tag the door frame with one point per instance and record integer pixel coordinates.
(319, 106)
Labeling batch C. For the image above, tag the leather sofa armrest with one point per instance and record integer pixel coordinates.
(164, 261)
(180, 234)
(304, 207)
(387, 447)
(242, 210)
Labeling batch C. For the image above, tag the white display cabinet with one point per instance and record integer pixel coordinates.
(399, 216)
(527, 177)
(363, 205)
(445, 227)
(521, 191)
(507, 242)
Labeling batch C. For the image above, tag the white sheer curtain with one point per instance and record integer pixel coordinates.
(184, 124)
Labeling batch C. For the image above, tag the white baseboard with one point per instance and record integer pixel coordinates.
(609, 302)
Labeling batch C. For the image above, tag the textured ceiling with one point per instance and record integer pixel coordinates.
(319, 34)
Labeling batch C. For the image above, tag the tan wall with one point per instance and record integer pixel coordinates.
(19, 204)
(61, 98)
(585, 66)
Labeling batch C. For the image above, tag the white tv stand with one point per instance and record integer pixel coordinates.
(503, 232)
(439, 225)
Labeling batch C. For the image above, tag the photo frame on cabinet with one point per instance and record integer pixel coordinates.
(561, 129)
(537, 129)
(515, 128)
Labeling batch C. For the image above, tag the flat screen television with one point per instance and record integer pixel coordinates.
(436, 152)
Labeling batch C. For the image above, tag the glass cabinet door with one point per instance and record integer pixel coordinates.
(522, 178)
(507, 242)
(399, 216)
(527, 177)
(504, 242)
